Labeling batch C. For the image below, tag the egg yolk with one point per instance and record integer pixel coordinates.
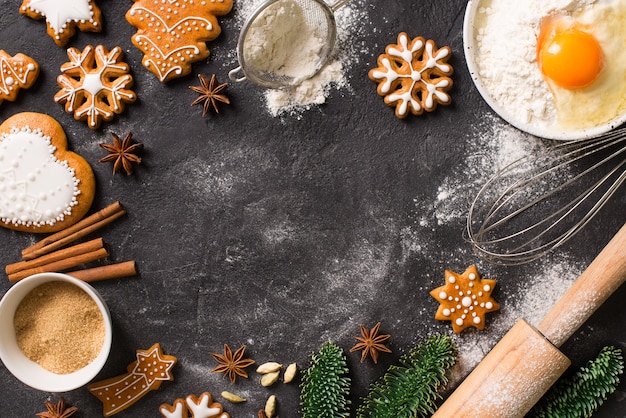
(570, 56)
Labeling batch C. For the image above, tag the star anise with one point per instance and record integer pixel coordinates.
(371, 343)
(211, 94)
(122, 153)
(232, 365)
(59, 410)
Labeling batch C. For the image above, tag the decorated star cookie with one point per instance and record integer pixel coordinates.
(95, 84)
(44, 187)
(465, 299)
(199, 407)
(151, 368)
(18, 72)
(413, 75)
(64, 16)
(172, 34)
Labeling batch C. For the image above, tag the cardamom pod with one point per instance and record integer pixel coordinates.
(270, 378)
(270, 406)
(269, 367)
(290, 373)
(232, 397)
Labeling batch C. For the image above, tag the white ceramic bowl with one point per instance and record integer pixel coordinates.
(27, 370)
(469, 40)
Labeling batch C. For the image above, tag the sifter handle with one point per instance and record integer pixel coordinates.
(594, 286)
(338, 5)
(232, 74)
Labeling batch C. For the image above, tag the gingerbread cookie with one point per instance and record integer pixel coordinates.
(95, 84)
(173, 34)
(64, 16)
(413, 75)
(44, 187)
(151, 368)
(199, 407)
(18, 72)
(465, 299)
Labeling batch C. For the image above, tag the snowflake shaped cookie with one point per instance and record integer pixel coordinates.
(64, 16)
(199, 407)
(465, 299)
(94, 84)
(18, 72)
(413, 75)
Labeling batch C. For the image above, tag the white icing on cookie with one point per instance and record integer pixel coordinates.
(36, 189)
(12, 73)
(180, 411)
(202, 409)
(167, 60)
(59, 12)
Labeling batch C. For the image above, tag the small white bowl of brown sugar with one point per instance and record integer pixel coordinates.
(56, 332)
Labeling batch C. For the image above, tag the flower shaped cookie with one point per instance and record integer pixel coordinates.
(413, 75)
(95, 84)
(465, 299)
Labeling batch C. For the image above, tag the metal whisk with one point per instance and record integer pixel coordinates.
(537, 203)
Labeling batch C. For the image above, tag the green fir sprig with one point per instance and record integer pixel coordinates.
(325, 385)
(582, 394)
(411, 389)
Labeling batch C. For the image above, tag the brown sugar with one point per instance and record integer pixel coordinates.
(59, 326)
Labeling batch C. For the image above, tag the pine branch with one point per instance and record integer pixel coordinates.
(411, 389)
(583, 394)
(325, 385)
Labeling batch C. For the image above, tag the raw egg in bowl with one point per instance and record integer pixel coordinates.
(553, 68)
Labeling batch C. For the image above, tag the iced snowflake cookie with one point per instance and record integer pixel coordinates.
(43, 186)
(199, 407)
(95, 84)
(64, 16)
(413, 75)
(465, 299)
(18, 72)
(172, 34)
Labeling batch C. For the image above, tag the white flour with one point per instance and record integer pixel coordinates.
(310, 92)
(282, 42)
(506, 44)
(352, 28)
(493, 144)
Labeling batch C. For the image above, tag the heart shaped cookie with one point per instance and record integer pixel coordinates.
(44, 187)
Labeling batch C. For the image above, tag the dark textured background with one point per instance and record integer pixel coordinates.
(281, 232)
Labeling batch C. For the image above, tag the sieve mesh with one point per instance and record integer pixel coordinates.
(317, 15)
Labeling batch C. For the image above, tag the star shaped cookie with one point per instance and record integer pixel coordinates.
(64, 16)
(465, 299)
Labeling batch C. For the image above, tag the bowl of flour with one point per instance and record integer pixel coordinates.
(500, 44)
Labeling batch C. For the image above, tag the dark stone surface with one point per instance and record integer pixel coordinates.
(281, 232)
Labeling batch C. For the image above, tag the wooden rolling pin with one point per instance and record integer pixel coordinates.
(519, 370)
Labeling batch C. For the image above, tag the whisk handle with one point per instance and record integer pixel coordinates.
(594, 286)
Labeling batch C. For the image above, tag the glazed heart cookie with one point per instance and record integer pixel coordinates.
(44, 187)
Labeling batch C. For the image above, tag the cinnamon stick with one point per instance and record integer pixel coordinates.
(59, 255)
(61, 265)
(74, 232)
(110, 271)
